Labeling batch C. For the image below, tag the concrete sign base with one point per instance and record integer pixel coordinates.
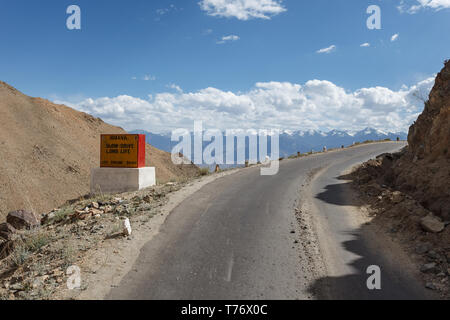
(118, 180)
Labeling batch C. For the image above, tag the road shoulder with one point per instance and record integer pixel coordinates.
(394, 218)
(113, 259)
(348, 241)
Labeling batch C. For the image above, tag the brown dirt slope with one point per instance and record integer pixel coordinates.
(424, 170)
(408, 193)
(47, 151)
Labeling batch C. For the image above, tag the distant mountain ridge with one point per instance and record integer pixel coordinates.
(292, 142)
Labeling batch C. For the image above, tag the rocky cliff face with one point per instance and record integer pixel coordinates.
(423, 171)
(429, 135)
(408, 193)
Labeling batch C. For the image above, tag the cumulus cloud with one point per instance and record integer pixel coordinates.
(165, 11)
(148, 77)
(394, 37)
(228, 39)
(417, 5)
(242, 9)
(316, 104)
(327, 50)
(365, 45)
(207, 32)
(174, 87)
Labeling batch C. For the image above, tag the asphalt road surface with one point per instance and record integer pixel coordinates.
(233, 240)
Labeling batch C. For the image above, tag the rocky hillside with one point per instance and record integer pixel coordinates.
(47, 151)
(408, 193)
(429, 135)
(424, 170)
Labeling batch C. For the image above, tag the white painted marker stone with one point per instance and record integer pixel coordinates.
(127, 227)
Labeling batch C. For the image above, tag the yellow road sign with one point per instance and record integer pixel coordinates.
(122, 151)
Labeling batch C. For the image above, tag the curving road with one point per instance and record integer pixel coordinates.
(238, 238)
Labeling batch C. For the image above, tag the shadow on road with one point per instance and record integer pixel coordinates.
(395, 284)
(336, 194)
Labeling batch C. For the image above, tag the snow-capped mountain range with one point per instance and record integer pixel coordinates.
(292, 142)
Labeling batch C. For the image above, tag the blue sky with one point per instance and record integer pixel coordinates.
(160, 64)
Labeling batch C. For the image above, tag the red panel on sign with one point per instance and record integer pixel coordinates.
(141, 151)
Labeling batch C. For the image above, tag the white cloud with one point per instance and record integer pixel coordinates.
(327, 50)
(317, 104)
(164, 11)
(242, 9)
(207, 32)
(175, 87)
(148, 77)
(228, 38)
(417, 5)
(394, 37)
(365, 45)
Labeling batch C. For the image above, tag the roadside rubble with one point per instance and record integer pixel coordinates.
(425, 236)
(36, 251)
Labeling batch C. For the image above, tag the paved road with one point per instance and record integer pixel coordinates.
(232, 240)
